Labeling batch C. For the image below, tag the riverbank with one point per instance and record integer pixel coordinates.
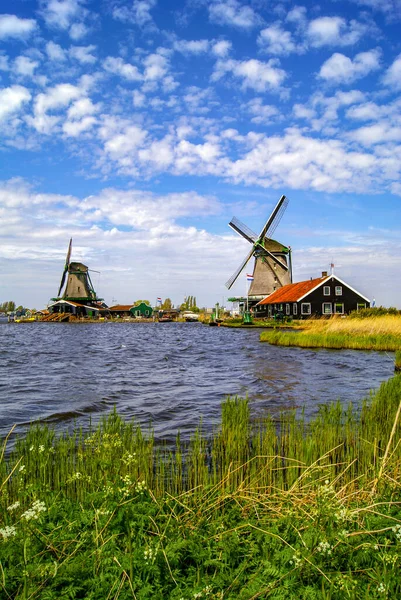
(372, 333)
(260, 509)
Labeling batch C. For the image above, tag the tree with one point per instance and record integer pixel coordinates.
(167, 304)
(8, 306)
(140, 302)
(189, 304)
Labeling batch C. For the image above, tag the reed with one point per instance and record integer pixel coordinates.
(374, 333)
(261, 508)
(398, 361)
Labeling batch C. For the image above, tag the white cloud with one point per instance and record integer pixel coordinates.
(76, 128)
(330, 31)
(138, 99)
(392, 77)
(78, 31)
(55, 52)
(262, 113)
(378, 133)
(61, 13)
(275, 40)
(12, 100)
(191, 46)
(12, 26)
(222, 48)
(83, 54)
(121, 146)
(58, 97)
(118, 67)
(341, 69)
(24, 66)
(260, 76)
(138, 14)
(4, 66)
(231, 12)
(156, 67)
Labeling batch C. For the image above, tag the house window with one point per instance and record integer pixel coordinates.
(281, 307)
(295, 308)
(339, 290)
(339, 308)
(306, 308)
(326, 290)
(287, 309)
(269, 310)
(360, 306)
(326, 308)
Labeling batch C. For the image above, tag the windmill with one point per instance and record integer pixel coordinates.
(272, 268)
(79, 286)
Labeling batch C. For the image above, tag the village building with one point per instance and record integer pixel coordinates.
(141, 310)
(325, 296)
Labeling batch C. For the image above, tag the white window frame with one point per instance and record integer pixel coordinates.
(326, 290)
(306, 308)
(359, 306)
(269, 310)
(339, 290)
(336, 312)
(287, 309)
(295, 308)
(330, 306)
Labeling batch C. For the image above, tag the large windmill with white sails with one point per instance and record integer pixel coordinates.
(272, 266)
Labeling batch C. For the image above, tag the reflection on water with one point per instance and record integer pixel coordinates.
(169, 374)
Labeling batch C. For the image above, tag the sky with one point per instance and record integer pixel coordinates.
(141, 127)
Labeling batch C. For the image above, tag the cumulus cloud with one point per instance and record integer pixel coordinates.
(54, 99)
(341, 69)
(60, 14)
(191, 46)
(83, 54)
(231, 12)
(329, 31)
(139, 13)
(55, 52)
(221, 48)
(12, 26)
(12, 100)
(275, 40)
(257, 75)
(392, 77)
(24, 66)
(117, 66)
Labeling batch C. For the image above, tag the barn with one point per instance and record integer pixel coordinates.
(324, 296)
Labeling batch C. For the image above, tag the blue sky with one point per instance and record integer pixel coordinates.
(140, 127)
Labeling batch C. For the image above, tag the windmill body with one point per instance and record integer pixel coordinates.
(272, 267)
(79, 297)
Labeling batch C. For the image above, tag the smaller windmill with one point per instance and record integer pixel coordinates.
(272, 268)
(79, 286)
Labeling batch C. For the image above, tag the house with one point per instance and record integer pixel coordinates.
(325, 296)
(74, 308)
(128, 310)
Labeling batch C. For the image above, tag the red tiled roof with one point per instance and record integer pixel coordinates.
(122, 307)
(292, 292)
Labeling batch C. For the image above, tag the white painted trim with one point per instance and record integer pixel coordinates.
(337, 279)
(310, 308)
(331, 308)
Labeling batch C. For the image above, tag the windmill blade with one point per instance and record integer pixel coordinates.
(274, 218)
(67, 263)
(276, 260)
(237, 273)
(243, 230)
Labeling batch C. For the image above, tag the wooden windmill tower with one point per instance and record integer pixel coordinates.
(79, 286)
(272, 268)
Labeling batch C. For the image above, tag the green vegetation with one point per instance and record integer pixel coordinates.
(261, 509)
(398, 360)
(6, 307)
(189, 304)
(374, 333)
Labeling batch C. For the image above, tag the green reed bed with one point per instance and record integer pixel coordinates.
(304, 339)
(398, 361)
(262, 508)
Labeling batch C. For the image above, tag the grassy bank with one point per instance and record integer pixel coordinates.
(372, 333)
(260, 509)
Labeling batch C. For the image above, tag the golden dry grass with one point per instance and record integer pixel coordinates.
(381, 325)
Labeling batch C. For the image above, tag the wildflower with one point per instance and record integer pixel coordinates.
(8, 531)
(150, 554)
(32, 448)
(41, 448)
(140, 486)
(381, 588)
(296, 561)
(21, 469)
(33, 513)
(397, 531)
(324, 548)
(13, 506)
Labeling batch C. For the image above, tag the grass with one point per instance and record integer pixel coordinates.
(398, 361)
(260, 509)
(372, 333)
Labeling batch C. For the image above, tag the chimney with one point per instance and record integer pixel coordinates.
(324, 274)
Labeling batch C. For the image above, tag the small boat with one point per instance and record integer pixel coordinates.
(190, 317)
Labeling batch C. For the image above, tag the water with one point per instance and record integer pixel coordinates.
(169, 374)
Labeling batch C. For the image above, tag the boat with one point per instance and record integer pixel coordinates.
(190, 317)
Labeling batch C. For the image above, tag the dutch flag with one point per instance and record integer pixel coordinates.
(249, 277)
(159, 300)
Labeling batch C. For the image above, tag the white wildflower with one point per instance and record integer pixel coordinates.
(13, 506)
(33, 513)
(21, 469)
(41, 448)
(8, 531)
(324, 548)
(381, 588)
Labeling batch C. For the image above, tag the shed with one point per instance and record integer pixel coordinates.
(324, 296)
(141, 310)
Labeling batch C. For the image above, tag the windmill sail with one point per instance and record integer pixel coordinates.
(67, 262)
(271, 268)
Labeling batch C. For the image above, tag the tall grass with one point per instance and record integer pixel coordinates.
(374, 333)
(261, 508)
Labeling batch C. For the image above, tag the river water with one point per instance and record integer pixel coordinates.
(167, 374)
